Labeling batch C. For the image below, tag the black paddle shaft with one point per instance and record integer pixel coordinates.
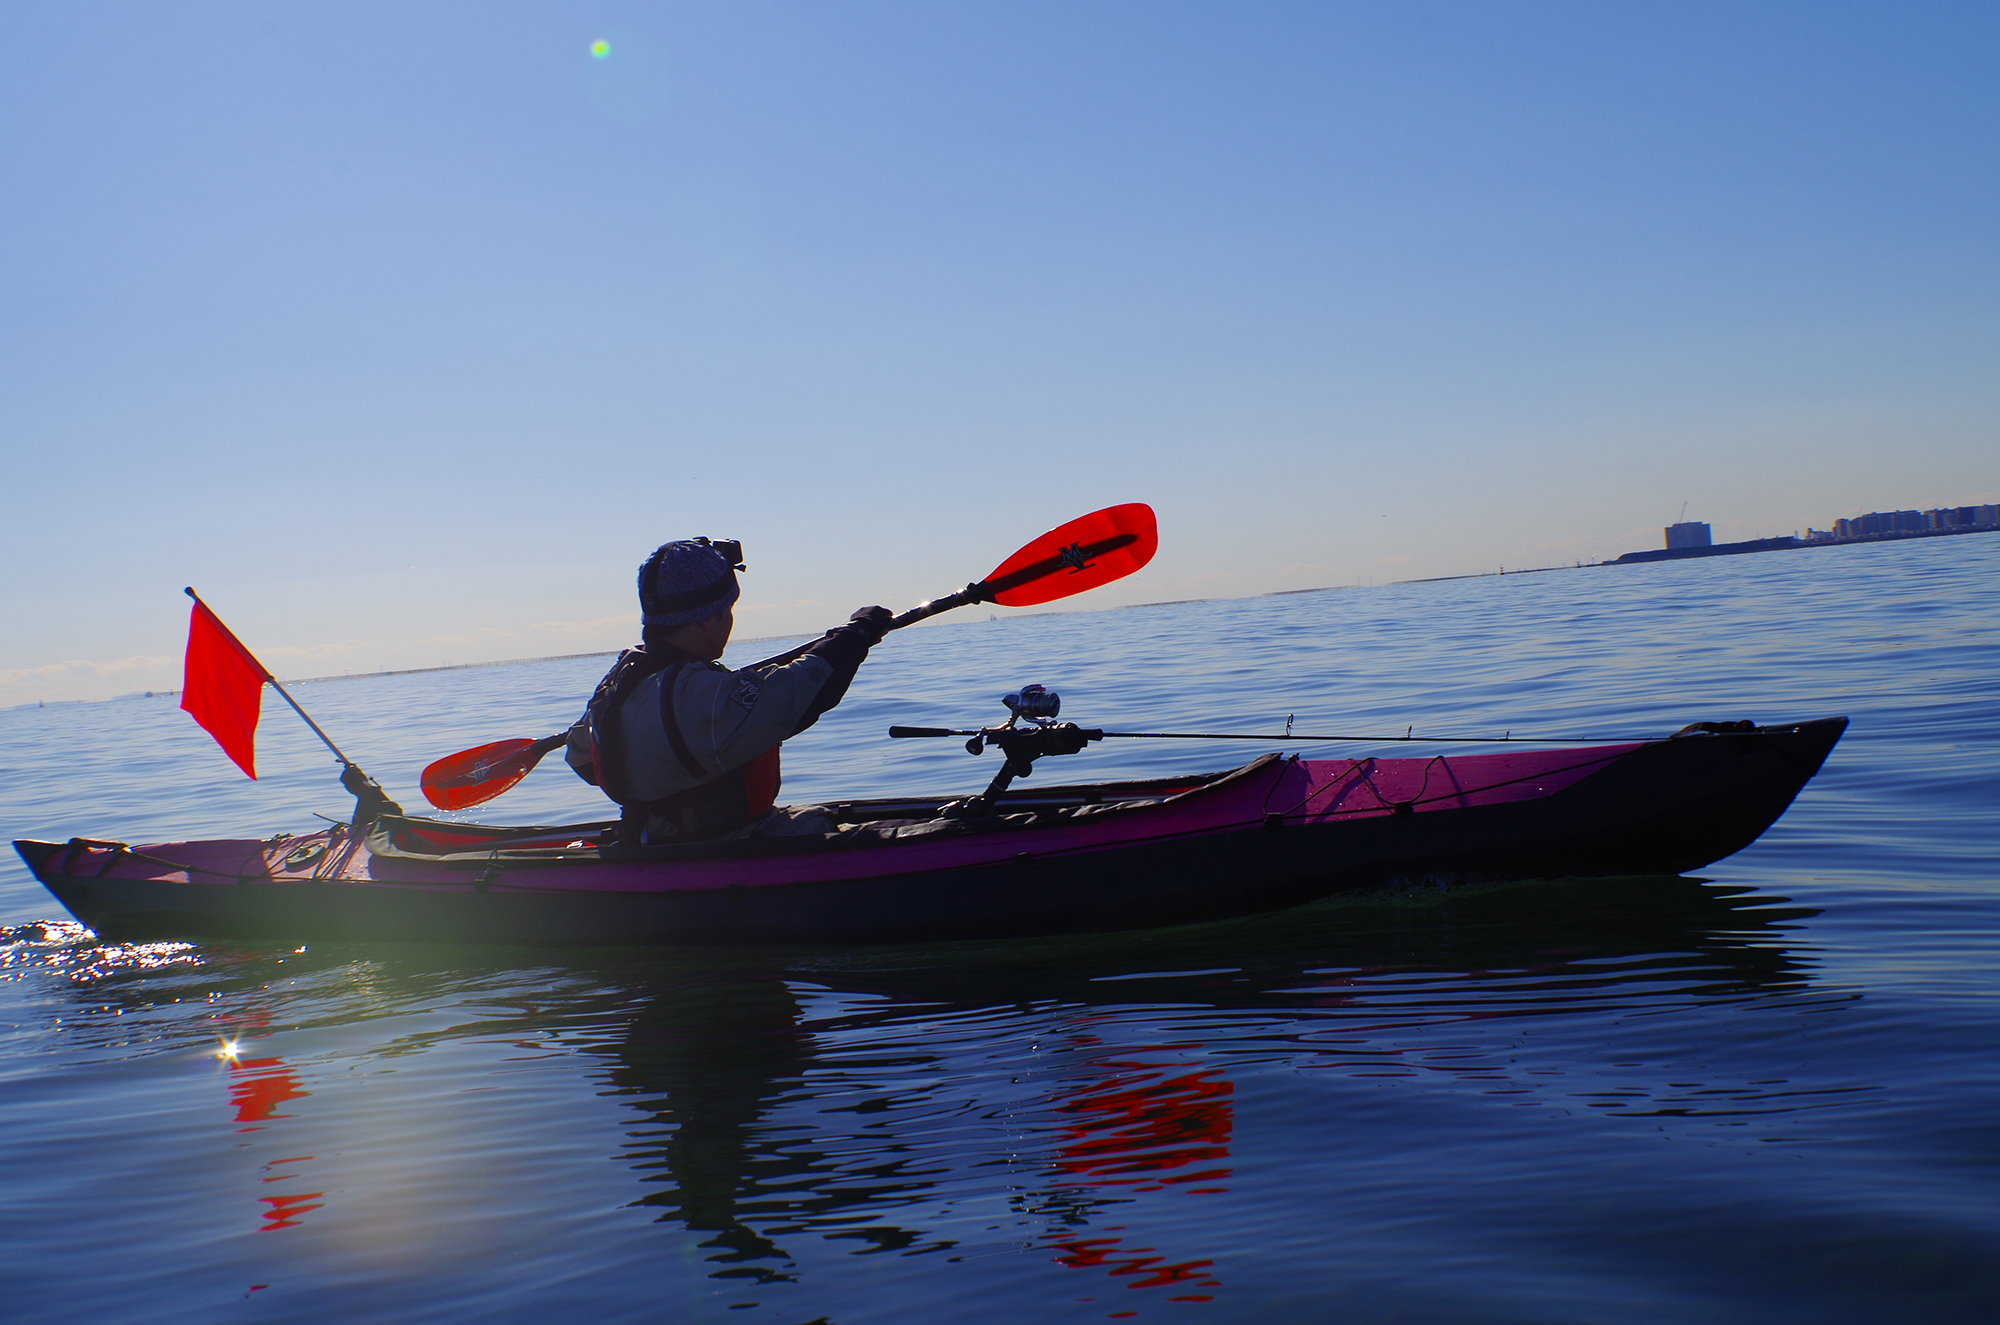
(1075, 557)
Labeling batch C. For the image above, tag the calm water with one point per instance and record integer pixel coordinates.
(1766, 1094)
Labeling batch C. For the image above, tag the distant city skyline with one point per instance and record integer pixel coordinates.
(1897, 522)
(1695, 533)
(1693, 539)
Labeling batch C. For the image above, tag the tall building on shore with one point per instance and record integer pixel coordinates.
(1689, 533)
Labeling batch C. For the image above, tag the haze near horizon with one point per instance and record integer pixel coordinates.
(404, 334)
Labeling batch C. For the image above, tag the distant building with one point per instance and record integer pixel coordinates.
(1688, 533)
(1874, 523)
(1944, 519)
(1961, 517)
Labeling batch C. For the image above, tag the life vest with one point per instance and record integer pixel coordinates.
(721, 804)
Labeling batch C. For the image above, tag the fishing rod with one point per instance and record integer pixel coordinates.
(1038, 706)
(1295, 737)
(1031, 732)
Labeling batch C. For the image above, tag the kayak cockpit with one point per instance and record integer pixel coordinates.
(863, 823)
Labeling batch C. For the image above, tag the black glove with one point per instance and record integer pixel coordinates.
(874, 620)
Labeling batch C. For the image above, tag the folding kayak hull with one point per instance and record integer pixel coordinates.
(1272, 834)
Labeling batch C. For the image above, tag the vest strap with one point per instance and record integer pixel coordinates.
(720, 803)
(672, 724)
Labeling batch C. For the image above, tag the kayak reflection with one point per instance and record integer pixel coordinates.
(722, 1068)
(878, 1096)
(709, 1058)
(1079, 1101)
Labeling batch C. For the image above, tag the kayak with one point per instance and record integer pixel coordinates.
(1276, 832)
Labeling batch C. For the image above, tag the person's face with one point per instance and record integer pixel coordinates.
(707, 639)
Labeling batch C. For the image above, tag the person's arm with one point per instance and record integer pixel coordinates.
(844, 647)
(728, 718)
(577, 753)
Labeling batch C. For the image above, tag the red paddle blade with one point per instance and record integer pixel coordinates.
(472, 777)
(1090, 550)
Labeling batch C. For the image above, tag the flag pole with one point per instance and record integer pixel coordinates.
(369, 798)
(282, 692)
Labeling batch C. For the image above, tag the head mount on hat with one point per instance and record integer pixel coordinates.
(731, 550)
(689, 580)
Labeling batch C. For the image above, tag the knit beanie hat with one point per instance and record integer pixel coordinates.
(683, 582)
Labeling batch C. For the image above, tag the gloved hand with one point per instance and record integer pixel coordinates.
(874, 620)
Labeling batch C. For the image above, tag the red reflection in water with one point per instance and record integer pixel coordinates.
(260, 1086)
(1124, 1262)
(284, 1211)
(1139, 1126)
(265, 1084)
(1147, 1127)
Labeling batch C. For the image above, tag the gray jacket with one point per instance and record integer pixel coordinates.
(727, 718)
(724, 718)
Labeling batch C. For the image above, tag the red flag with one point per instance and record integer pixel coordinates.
(223, 687)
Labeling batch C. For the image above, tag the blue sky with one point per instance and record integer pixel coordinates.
(404, 332)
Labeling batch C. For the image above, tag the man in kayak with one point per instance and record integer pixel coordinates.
(688, 747)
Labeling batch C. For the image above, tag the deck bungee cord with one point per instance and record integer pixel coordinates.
(1357, 775)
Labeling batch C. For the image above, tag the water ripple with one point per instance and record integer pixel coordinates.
(1762, 1095)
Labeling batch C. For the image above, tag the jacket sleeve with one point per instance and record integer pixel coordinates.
(843, 649)
(742, 714)
(727, 718)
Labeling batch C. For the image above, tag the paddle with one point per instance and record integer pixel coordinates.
(1089, 551)
(473, 776)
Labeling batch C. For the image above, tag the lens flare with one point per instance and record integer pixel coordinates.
(228, 1051)
(599, 49)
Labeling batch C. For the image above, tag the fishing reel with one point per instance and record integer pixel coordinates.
(1038, 705)
(1033, 702)
(1029, 733)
